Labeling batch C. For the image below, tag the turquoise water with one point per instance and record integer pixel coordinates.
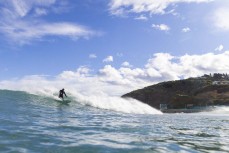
(37, 124)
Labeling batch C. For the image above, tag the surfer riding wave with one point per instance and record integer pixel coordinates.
(62, 93)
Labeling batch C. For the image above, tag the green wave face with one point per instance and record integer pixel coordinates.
(22, 97)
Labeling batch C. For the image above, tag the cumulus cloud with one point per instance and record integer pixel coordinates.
(187, 29)
(82, 71)
(162, 27)
(21, 23)
(164, 66)
(126, 64)
(219, 48)
(220, 19)
(108, 59)
(120, 7)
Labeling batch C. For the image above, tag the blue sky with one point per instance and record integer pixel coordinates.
(148, 39)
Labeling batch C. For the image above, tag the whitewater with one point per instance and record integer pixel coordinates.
(89, 91)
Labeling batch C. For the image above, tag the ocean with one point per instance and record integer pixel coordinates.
(35, 123)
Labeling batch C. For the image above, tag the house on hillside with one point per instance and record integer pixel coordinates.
(220, 83)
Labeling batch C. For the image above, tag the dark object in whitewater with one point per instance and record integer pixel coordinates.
(61, 94)
(63, 101)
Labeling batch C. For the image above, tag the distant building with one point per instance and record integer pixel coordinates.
(163, 106)
(220, 83)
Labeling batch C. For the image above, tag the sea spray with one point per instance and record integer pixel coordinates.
(108, 102)
(220, 110)
(97, 98)
(117, 104)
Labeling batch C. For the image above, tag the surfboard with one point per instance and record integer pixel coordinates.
(63, 101)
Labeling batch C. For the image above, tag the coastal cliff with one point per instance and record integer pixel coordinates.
(207, 90)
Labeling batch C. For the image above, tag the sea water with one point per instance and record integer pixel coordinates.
(39, 124)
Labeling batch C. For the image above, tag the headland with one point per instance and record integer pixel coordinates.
(187, 95)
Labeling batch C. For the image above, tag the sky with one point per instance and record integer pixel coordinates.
(126, 44)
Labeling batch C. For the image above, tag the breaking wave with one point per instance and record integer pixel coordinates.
(101, 102)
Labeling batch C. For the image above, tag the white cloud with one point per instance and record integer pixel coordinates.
(141, 17)
(24, 32)
(111, 75)
(220, 19)
(187, 29)
(21, 23)
(219, 48)
(82, 71)
(126, 64)
(108, 59)
(162, 27)
(120, 7)
(23, 7)
(92, 56)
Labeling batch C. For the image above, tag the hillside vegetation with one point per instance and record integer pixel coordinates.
(196, 92)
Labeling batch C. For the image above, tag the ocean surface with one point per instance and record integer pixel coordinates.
(40, 124)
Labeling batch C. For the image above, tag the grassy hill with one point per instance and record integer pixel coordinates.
(195, 92)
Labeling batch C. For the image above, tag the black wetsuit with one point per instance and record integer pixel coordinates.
(62, 93)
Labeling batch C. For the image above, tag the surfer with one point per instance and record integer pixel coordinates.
(61, 94)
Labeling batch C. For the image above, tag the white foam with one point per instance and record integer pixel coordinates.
(92, 94)
(216, 110)
(220, 110)
(117, 104)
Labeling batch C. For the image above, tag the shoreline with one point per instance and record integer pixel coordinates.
(169, 111)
